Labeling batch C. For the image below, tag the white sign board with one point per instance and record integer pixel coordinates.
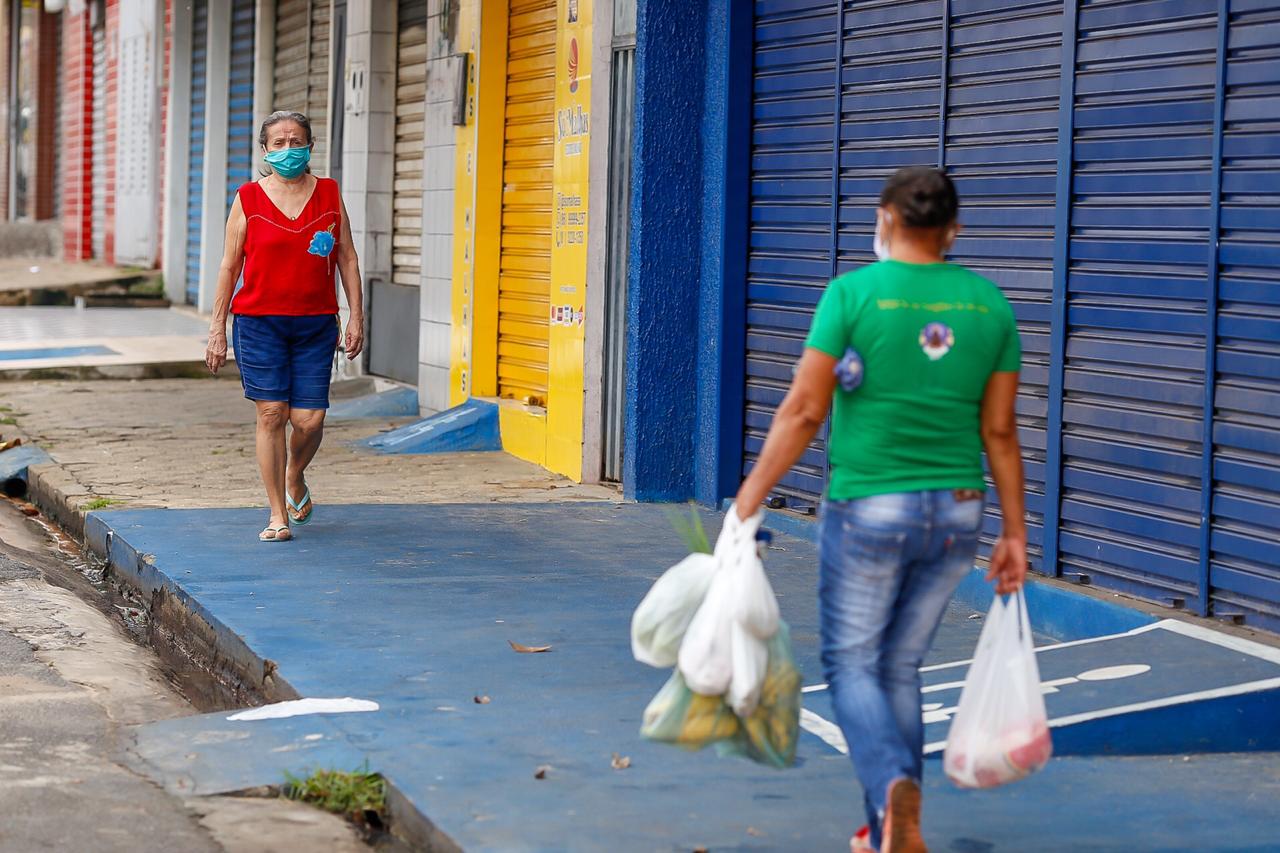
(137, 135)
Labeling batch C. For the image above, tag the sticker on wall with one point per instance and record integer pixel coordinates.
(573, 65)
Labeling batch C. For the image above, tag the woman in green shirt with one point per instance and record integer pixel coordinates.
(922, 358)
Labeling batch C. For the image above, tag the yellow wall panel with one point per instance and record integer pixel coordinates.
(569, 244)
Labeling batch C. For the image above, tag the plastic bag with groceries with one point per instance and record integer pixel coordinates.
(1000, 732)
(736, 684)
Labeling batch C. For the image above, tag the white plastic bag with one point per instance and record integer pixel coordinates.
(706, 654)
(739, 595)
(750, 658)
(754, 604)
(1000, 732)
(660, 622)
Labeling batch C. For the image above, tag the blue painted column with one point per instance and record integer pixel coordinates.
(667, 203)
(726, 162)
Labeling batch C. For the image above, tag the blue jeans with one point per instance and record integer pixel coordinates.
(889, 566)
(286, 359)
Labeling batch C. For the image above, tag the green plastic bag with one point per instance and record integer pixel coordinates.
(678, 716)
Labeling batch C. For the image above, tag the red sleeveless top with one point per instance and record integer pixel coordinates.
(289, 264)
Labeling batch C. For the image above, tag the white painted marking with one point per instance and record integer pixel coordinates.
(1135, 632)
(1239, 644)
(825, 729)
(935, 712)
(1167, 702)
(314, 737)
(300, 707)
(1111, 673)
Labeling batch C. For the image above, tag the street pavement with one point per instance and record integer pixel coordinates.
(418, 572)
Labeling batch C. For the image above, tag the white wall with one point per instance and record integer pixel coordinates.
(437, 217)
(177, 156)
(213, 225)
(368, 140)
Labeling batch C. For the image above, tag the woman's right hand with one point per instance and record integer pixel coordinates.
(215, 355)
(1009, 563)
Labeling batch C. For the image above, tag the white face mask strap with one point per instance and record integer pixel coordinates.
(880, 245)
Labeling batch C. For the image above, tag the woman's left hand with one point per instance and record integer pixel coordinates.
(355, 336)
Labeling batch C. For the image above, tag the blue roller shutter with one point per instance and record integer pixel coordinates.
(1001, 143)
(195, 145)
(1245, 543)
(241, 132)
(1133, 401)
(790, 246)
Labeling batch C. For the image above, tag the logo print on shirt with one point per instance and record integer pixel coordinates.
(322, 243)
(936, 339)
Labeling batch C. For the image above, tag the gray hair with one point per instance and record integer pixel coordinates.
(285, 115)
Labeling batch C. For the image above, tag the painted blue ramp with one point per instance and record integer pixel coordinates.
(472, 426)
(414, 606)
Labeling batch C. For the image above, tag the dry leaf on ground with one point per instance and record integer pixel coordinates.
(541, 772)
(621, 762)
(528, 650)
(481, 700)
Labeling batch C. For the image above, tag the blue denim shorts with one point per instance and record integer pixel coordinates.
(286, 359)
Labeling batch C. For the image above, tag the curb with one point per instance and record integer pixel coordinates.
(181, 631)
(84, 373)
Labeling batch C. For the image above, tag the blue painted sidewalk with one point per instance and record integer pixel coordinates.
(414, 606)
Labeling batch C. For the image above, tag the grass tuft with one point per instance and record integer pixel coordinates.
(99, 503)
(357, 795)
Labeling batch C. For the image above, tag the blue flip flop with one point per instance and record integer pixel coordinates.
(297, 507)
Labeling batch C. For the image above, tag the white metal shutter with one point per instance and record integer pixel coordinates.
(289, 84)
(301, 79)
(411, 96)
(318, 85)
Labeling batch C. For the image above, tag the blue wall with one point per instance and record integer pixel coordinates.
(688, 226)
(666, 217)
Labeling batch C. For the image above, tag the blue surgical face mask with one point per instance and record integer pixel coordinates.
(289, 163)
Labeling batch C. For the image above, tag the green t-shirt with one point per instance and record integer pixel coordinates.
(929, 335)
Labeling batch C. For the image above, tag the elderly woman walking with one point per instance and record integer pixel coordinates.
(288, 233)
(922, 358)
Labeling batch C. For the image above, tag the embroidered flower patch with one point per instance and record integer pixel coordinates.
(322, 243)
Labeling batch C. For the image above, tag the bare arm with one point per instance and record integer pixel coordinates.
(228, 273)
(798, 420)
(1000, 437)
(349, 268)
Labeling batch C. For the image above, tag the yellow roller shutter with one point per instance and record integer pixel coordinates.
(524, 284)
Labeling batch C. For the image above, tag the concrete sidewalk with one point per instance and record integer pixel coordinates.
(189, 443)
